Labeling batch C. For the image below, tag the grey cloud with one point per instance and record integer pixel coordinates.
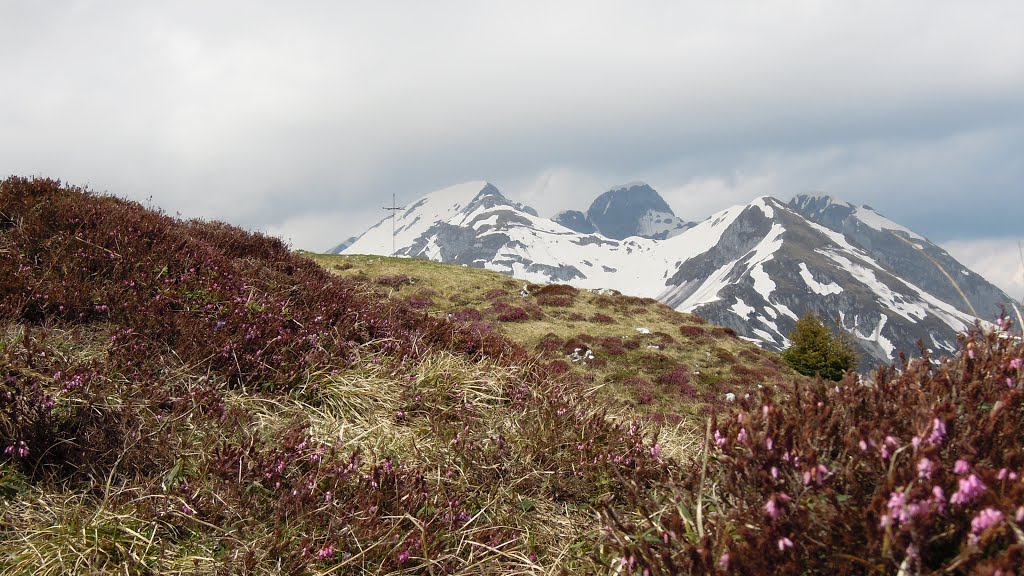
(277, 116)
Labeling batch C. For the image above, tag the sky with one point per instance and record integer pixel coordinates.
(302, 118)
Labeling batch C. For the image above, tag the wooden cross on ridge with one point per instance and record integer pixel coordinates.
(393, 209)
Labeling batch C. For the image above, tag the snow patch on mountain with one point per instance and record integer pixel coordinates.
(741, 309)
(875, 220)
(817, 287)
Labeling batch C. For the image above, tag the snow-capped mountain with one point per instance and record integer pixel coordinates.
(473, 224)
(633, 209)
(897, 248)
(755, 268)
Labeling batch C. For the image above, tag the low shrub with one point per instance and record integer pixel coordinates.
(555, 300)
(919, 471)
(612, 345)
(467, 315)
(602, 318)
(691, 331)
(395, 280)
(495, 294)
(678, 381)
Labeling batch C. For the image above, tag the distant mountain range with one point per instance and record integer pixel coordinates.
(755, 268)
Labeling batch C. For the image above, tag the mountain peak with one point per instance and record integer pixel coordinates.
(629, 185)
(461, 194)
(633, 209)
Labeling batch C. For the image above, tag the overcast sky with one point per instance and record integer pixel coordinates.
(302, 118)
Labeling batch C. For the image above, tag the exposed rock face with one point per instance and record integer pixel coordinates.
(755, 268)
(771, 265)
(918, 260)
(633, 209)
(576, 221)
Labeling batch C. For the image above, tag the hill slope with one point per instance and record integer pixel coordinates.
(185, 396)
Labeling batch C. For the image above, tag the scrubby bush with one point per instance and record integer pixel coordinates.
(602, 318)
(508, 313)
(467, 315)
(677, 380)
(920, 471)
(395, 280)
(188, 397)
(553, 290)
(612, 345)
(495, 294)
(555, 300)
(691, 331)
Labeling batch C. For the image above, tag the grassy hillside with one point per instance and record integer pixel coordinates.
(186, 397)
(644, 358)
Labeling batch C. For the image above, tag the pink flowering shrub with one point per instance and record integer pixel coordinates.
(920, 470)
(136, 355)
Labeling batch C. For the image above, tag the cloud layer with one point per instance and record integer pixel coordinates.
(303, 118)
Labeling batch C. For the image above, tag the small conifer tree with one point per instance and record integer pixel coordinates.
(817, 351)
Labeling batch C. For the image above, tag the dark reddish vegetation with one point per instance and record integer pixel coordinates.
(691, 331)
(923, 469)
(602, 318)
(419, 302)
(495, 294)
(678, 381)
(554, 295)
(181, 313)
(467, 315)
(555, 300)
(642, 390)
(612, 345)
(395, 281)
(509, 313)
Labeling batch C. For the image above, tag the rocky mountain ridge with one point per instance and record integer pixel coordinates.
(633, 209)
(755, 268)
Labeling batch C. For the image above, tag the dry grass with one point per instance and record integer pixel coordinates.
(717, 363)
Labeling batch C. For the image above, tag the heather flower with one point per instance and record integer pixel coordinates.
(326, 552)
(1019, 516)
(969, 489)
(938, 432)
(784, 543)
(863, 446)
(939, 498)
(897, 500)
(816, 474)
(719, 439)
(723, 561)
(19, 449)
(656, 451)
(986, 519)
(768, 443)
(742, 436)
(924, 468)
(771, 509)
(1015, 363)
(961, 467)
